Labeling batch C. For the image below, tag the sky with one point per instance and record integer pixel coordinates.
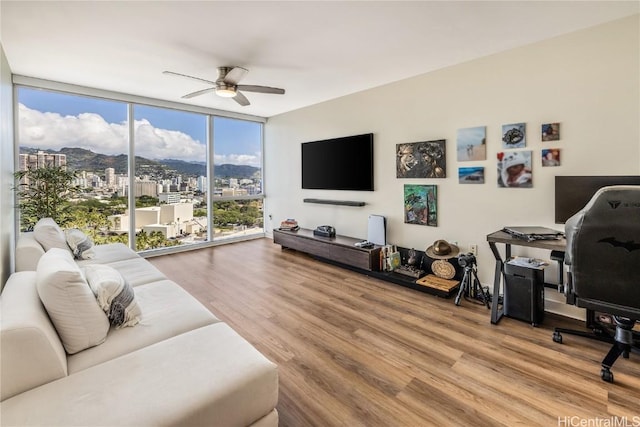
(51, 120)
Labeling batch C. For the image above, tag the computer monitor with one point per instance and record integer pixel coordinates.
(572, 193)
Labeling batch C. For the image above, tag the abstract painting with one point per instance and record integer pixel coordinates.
(420, 205)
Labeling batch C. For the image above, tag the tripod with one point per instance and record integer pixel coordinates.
(471, 285)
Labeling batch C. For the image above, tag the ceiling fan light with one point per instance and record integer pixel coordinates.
(226, 92)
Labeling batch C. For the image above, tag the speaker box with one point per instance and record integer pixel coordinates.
(524, 293)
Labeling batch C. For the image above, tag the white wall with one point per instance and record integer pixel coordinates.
(588, 81)
(7, 211)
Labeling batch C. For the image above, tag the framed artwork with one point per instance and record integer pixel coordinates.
(421, 159)
(551, 131)
(473, 175)
(551, 157)
(514, 135)
(471, 144)
(514, 169)
(420, 205)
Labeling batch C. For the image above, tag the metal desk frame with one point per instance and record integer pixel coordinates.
(557, 247)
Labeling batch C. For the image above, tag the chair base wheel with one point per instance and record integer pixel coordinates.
(557, 337)
(606, 375)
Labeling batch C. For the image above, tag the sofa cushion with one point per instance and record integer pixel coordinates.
(71, 305)
(31, 353)
(208, 376)
(138, 271)
(80, 244)
(111, 252)
(49, 234)
(168, 311)
(114, 294)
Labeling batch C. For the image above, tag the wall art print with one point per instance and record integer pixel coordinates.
(514, 169)
(551, 131)
(471, 144)
(421, 159)
(550, 157)
(514, 135)
(472, 175)
(420, 205)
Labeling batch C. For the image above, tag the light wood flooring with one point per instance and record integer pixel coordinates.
(357, 351)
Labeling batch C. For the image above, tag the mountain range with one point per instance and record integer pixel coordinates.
(82, 159)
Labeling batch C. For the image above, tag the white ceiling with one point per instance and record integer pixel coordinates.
(316, 50)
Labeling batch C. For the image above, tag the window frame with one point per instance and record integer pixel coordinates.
(131, 102)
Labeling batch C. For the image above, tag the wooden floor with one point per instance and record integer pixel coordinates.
(357, 351)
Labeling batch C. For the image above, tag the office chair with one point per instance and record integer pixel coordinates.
(603, 259)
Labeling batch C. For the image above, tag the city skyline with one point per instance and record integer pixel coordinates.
(94, 134)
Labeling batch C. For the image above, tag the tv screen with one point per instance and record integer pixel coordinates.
(574, 192)
(338, 164)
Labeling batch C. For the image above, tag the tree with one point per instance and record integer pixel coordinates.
(146, 201)
(44, 193)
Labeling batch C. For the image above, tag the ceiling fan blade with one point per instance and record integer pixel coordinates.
(261, 89)
(241, 99)
(234, 75)
(189, 77)
(198, 93)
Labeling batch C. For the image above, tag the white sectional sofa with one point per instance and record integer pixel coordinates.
(179, 366)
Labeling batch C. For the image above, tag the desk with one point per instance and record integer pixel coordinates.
(557, 247)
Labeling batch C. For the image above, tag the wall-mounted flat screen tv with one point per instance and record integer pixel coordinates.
(574, 192)
(338, 164)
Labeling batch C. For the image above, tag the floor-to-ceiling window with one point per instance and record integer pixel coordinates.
(237, 190)
(162, 175)
(170, 187)
(86, 137)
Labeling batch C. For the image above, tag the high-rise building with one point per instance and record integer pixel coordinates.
(146, 188)
(42, 160)
(202, 184)
(110, 177)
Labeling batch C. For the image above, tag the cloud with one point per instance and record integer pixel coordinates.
(91, 132)
(237, 159)
(156, 143)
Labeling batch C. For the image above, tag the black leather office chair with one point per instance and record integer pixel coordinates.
(603, 258)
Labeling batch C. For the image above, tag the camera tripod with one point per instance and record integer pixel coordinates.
(471, 285)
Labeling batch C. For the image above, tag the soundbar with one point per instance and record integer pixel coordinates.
(334, 202)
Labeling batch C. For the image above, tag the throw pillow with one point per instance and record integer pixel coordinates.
(114, 294)
(49, 234)
(81, 245)
(71, 305)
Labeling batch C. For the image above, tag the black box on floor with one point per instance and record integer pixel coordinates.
(524, 293)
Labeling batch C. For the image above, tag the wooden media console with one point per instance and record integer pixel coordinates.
(339, 249)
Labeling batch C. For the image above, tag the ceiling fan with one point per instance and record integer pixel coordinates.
(226, 85)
